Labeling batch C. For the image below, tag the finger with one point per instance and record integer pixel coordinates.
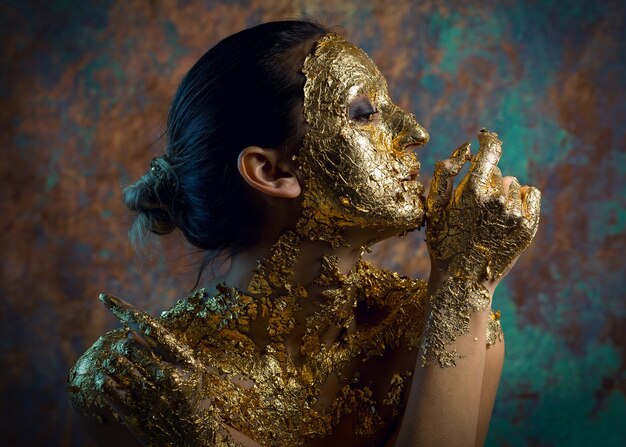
(506, 184)
(487, 158)
(493, 193)
(513, 192)
(118, 398)
(496, 183)
(122, 404)
(147, 343)
(149, 328)
(131, 376)
(154, 368)
(140, 356)
(445, 170)
(139, 339)
(531, 200)
(157, 370)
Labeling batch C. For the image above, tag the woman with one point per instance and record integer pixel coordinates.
(286, 152)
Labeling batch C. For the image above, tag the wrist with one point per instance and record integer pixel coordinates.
(452, 304)
(435, 282)
(439, 274)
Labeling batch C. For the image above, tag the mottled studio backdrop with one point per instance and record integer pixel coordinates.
(85, 87)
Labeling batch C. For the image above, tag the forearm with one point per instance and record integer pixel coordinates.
(494, 359)
(474, 234)
(444, 403)
(444, 406)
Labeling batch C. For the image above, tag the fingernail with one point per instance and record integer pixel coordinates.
(122, 310)
(108, 300)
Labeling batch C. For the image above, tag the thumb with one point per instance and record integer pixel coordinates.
(441, 184)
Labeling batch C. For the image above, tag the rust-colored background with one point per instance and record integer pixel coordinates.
(85, 88)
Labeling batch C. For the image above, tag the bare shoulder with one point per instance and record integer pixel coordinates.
(203, 315)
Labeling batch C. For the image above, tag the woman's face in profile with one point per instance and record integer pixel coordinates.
(358, 154)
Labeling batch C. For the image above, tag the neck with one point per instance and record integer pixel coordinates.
(296, 297)
(307, 264)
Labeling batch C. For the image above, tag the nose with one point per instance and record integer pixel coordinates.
(409, 133)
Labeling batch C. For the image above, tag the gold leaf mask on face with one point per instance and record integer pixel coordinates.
(356, 160)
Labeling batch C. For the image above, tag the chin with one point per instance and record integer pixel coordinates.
(415, 224)
(398, 225)
(409, 217)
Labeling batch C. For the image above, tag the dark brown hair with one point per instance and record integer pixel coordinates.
(246, 90)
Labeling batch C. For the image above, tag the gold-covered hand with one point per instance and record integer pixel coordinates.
(479, 230)
(153, 382)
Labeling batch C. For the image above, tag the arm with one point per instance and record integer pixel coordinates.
(494, 359)
(445, 402)
(115, 433)
(109, 434)
(474, 236)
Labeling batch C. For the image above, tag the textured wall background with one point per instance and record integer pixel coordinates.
(85, 88)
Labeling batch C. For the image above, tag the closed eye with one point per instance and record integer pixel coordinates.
(362, 111)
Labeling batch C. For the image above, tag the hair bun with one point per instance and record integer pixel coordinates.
(162, 171)
(153, 198)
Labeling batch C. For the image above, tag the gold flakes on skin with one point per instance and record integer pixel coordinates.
(452, 306)
(243, 363)
(478, 233)
(244, 383)
(481, 231)
(358, 402)
(355, 173)
(394, 395)
(494, 329)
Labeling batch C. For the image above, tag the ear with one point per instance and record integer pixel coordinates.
(266, 171)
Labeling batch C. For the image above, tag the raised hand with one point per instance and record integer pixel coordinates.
(154, 383)
(478, 231)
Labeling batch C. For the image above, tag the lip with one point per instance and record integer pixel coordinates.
(413, 146)
(411, 177)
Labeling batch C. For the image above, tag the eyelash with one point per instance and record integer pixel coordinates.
(365, 117)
